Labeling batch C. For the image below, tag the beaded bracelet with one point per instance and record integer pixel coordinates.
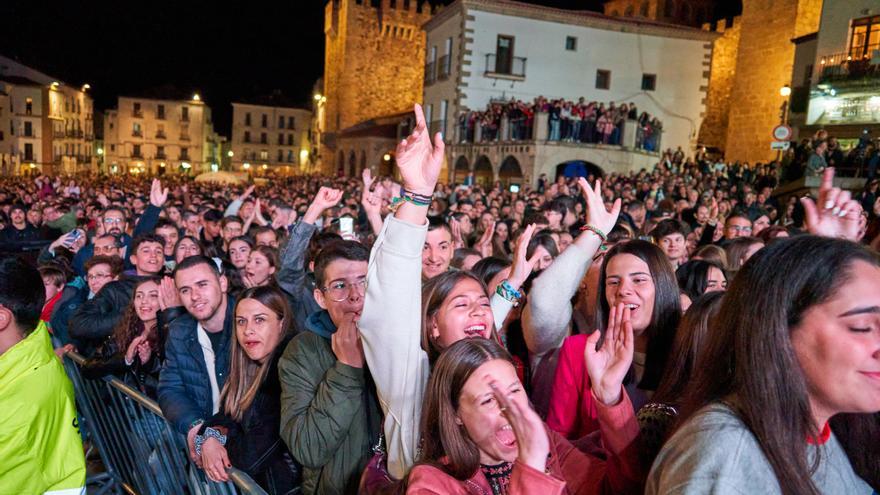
(209, 433)
(596, 231)
(415, 198)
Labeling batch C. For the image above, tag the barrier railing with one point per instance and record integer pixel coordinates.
(141, 452)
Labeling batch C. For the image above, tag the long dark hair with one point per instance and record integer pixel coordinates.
(690, 341)
(666, 312)
(434, 292)
(749, 362)
(245, 375)
(693, 277)
(130, 326)
(441, 436)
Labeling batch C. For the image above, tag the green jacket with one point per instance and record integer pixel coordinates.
(40, 447)
(330, 417)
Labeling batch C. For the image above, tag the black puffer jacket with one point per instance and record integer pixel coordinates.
(254, 445)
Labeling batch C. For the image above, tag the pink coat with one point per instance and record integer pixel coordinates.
(570, 470)
(573, 413)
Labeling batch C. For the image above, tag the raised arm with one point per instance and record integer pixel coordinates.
(391, 322)
(548, 311)
(292, 275)
(371, 201)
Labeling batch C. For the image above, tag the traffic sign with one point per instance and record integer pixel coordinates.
(782, 133)
(780, 145)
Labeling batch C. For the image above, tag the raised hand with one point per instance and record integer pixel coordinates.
(531, 435)
(327, 197)
(372, 200)
(597, 215)
(247, 192)
(367, 177)
(418, 159)
(457, 240)
(168, 295)
(836, 215)
(346, 344)
(158, 196)
(522, 267)
(608, 365)
(484, 245)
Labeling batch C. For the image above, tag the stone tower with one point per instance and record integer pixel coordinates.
(764, 63)
(374, 60)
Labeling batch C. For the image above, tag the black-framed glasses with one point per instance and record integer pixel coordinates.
(340, 289)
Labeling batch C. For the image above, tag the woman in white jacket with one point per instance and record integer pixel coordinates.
(391, 325)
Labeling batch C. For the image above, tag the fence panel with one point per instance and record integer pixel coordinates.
(141, 452)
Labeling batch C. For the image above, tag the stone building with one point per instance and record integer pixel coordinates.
(483, 52)
(373, 65)
(272, 131)
(47, 124)
(764, 62)
(162, 131)
(685, 12)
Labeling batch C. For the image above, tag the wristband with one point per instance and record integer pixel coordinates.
(596, 231)
(506, 291)
(209, 433)
(415, 198)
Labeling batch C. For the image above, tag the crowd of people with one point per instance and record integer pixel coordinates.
(569, 121)
(675, 330)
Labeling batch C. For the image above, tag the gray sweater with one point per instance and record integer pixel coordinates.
(714, 452)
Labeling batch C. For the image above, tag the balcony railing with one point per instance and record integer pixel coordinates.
(444, 68)
(137, 133)
(430, 72)
(161, 156)
(160, 135)
(184, 137)
(137, 113)
(137, 154)
(59, 134)
(505, 68)
(849, 66)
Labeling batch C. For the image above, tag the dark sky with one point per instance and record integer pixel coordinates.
(226, 52)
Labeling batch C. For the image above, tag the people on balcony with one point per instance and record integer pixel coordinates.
(568, 121)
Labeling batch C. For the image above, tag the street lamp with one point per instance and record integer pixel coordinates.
(386, 157)
(230, 154)
(246, 166)
(785, 92)
(318, 96)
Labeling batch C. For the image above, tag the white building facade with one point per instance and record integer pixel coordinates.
(47, 124)
(482, 51)
(273, 138)
(159, 136)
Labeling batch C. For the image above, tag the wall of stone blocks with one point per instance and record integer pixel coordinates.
(764, 64)
(713, 131)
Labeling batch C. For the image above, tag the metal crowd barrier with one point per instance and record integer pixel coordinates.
(142, 453)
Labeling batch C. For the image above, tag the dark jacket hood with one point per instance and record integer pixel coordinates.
(320, 323)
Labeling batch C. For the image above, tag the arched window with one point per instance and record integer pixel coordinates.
(643, 10)
(629, 11)
(669, 8)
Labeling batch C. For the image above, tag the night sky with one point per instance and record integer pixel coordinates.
(226, 53)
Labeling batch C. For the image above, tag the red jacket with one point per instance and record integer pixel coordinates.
(573, 411)
(570, 470)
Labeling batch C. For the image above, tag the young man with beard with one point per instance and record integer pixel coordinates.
(197, 348)
(19, 229)
(94, 320)
(330, 416)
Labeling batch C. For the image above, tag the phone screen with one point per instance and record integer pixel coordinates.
(346, 226)
(514, 188)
